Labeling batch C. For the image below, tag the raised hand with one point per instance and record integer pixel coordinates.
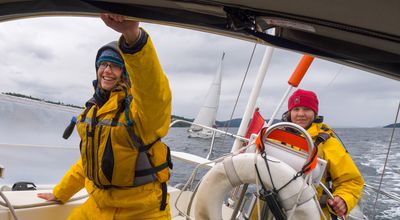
(129, 29)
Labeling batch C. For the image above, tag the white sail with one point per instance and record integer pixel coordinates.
(209, 109)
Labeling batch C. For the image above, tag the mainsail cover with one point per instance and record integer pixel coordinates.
(209, 109)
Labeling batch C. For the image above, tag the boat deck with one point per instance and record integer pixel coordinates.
(61, 212)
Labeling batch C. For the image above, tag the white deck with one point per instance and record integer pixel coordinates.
(60, 212)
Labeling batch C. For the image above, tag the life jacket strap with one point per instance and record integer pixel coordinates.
(164, 196)
(153, 170)
(321, 138)
(147, 147)
(83, 118)
(89, 104)
(114, 121)
(136, 140)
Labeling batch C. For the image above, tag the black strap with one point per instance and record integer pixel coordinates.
(85, 113)
(169, 161)
(271, 198)
(89, 104)
(121, 109)
(164, 196)
(93, 125)
(147, 146)
(321, 138)
(264, 156)
(152, 170)
(136, 140)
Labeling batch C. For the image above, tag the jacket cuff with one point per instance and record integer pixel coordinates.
(60, 195)
(137, 46)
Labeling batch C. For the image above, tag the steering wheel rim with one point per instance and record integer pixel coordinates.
(298, 128)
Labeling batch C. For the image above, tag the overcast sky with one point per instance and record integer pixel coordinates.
(53, 58)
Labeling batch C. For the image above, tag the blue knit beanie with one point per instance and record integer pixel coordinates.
(111, 56)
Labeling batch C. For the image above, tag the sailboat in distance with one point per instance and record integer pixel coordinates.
(209, 109)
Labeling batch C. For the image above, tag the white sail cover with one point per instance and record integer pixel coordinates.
(209, 109)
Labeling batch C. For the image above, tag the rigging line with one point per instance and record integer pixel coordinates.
(334, 77)
(386, 160)
(323, 89)
(226, 125)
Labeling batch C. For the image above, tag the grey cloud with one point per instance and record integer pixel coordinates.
(65, 48)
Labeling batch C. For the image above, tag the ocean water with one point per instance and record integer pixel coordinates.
(31, 149)
(367, 146)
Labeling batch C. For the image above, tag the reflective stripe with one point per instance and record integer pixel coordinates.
(108, 122)
(105, 122)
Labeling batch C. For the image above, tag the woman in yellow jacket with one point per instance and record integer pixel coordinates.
(124, 165)
(341, 174)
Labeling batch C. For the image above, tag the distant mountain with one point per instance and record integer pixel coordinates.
(392, 125)
(229, 123)
(41, 100)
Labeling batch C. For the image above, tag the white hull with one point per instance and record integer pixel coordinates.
(61, 212)
(204, 134)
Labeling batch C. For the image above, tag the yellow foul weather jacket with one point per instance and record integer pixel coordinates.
(109, 163)
(347, 182)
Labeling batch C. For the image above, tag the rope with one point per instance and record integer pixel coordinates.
(334, 77)
(299, 194)
(331, 196)
(303, 170)
(386, 160)
(240, 91)
(8, 204)
(258, 188)
(319, 205)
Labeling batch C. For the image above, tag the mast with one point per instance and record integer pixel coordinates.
(294, 81)
(255, 92)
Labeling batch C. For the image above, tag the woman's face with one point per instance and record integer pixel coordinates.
(302, 116)
(109, 74)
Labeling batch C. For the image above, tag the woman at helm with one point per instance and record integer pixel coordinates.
(341, 176)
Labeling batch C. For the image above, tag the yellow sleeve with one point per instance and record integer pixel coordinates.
(151, 104)
(71, 183)
(346, 178)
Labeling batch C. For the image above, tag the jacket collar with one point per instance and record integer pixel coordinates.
(315, 129)
(112, 103)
